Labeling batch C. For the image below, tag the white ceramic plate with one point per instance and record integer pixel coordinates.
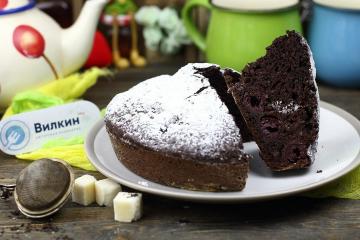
(338, 153)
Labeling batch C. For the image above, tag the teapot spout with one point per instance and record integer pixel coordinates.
(77, 40)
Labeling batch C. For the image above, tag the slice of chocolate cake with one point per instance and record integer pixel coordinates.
(278, 98)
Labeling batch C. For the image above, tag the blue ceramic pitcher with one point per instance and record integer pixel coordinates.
(334, 36)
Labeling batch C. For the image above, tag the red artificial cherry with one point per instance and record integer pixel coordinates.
(28, 41)
(3, 4)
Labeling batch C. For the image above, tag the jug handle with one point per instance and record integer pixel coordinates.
(193, 32)
(305, 10)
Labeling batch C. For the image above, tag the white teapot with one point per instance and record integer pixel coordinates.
(35, 49)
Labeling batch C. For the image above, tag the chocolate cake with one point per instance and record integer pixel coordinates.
(221, 84)
(177, 131)
(278, 98)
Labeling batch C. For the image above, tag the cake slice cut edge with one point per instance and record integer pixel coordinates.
(221, 83)
(279, 100)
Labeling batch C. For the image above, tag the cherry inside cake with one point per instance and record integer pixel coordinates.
(278, 98)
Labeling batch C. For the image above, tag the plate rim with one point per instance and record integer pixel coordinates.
(218, 197)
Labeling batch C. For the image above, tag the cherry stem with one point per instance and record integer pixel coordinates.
(51, 66)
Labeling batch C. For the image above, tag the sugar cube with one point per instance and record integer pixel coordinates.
(84, 190)
(127, 206)
(106, 191)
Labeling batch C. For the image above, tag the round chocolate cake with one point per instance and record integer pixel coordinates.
(279, 100)
(177, 130)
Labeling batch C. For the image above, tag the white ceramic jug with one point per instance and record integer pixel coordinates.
(35, 49)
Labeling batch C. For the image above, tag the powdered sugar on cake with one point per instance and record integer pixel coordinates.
(281, 107)
(312, 69)
(180, 113)
(313, 148)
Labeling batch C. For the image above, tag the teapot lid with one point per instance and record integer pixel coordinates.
(344, 4)
(255, 5)
(12, 6)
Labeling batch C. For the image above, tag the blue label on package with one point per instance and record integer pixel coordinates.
(28, 132)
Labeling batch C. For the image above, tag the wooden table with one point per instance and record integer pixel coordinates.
(289, 218)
